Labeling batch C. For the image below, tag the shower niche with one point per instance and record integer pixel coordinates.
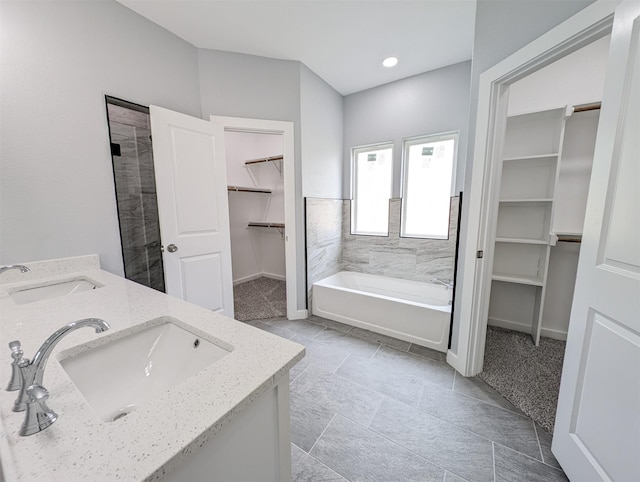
(135, 189)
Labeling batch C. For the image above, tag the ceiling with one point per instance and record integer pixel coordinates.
(343, 41)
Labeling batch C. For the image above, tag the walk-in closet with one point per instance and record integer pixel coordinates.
(543, 182)
(256, 218)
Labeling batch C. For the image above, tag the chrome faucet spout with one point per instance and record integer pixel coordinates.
(21, 267)
(32, 372)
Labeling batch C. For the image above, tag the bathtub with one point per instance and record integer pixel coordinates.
(408, 310)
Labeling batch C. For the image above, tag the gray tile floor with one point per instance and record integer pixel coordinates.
(365, 407)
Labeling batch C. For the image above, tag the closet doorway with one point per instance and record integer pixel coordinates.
(261, 187)
(542, 187)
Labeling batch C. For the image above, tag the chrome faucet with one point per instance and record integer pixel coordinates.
(21, 267)
(447, 283)
(32, 372)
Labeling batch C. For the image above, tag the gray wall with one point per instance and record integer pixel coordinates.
(58, 60)
(321, 116)
(429, 103)
(240, 85)
(502, 27)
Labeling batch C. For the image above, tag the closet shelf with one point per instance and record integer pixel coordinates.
(264, 159)
(249, 189)
(569, 238)
(528, 200)
(523, 280)
(552, 155)
(276, 160)
(522, 241)
(265, 225)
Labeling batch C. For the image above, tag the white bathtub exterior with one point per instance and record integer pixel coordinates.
(408, 310)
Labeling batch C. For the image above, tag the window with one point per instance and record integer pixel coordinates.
(372, 176)
(428, 177)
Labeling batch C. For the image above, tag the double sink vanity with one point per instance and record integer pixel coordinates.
(127, 383)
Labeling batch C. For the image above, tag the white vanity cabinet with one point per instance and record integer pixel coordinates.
(544, 178)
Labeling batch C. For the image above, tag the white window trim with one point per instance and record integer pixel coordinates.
(406, 144)
(354, 153)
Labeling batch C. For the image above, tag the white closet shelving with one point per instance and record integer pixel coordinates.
(529, 173)
(544, 182)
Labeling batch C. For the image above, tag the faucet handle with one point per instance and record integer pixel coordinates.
(16, 349)
(16, 353)
(38, 416)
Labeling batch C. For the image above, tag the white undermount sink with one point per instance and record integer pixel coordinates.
(126, 372)
(29, 294)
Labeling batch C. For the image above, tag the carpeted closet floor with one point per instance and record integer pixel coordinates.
(260, 299)
(526, 375)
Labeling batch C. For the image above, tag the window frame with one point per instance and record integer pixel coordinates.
(406, 145)
(354, 182)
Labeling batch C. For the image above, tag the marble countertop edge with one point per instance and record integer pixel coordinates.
(258, 360)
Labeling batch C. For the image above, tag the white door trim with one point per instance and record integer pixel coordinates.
(586, 26)
(295, 290)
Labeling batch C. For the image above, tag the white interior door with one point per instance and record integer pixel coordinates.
(191, 183)
(597, 430)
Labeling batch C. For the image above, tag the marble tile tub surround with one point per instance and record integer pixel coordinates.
(405, 258)
(324, 238)
(160, 433)
(330, 251)
(368, 407)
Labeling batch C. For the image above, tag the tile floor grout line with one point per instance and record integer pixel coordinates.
(343, 361)
(298, 375)
(521, 415)
(319, 461)
(323, 431)
(422, 411)
(494, 405)
(405, 404)
(493, 452)
(398, 444)
(530, 457)
(416, 408)
(535, 430)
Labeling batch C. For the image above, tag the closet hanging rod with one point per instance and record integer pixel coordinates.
(564, 238)
(587, 107)
(266, 225)
(264, 159)
(248, 189)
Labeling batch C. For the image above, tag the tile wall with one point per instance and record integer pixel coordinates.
(136, 196)
(396, 257)
(324, 238)
(331, 247)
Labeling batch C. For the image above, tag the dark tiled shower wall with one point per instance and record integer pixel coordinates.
(332, 248)
(136, 197)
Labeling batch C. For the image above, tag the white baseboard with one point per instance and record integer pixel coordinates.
(298, 315)
(454, 361)
(259, 275)
(524, 328)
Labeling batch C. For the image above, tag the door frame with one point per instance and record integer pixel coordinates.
(293, 264)
(588, 25)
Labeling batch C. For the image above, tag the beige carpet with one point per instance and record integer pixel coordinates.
(526, 375)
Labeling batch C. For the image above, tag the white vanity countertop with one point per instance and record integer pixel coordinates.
(156, 436)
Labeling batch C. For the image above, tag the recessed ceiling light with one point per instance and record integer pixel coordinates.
(390, 62)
